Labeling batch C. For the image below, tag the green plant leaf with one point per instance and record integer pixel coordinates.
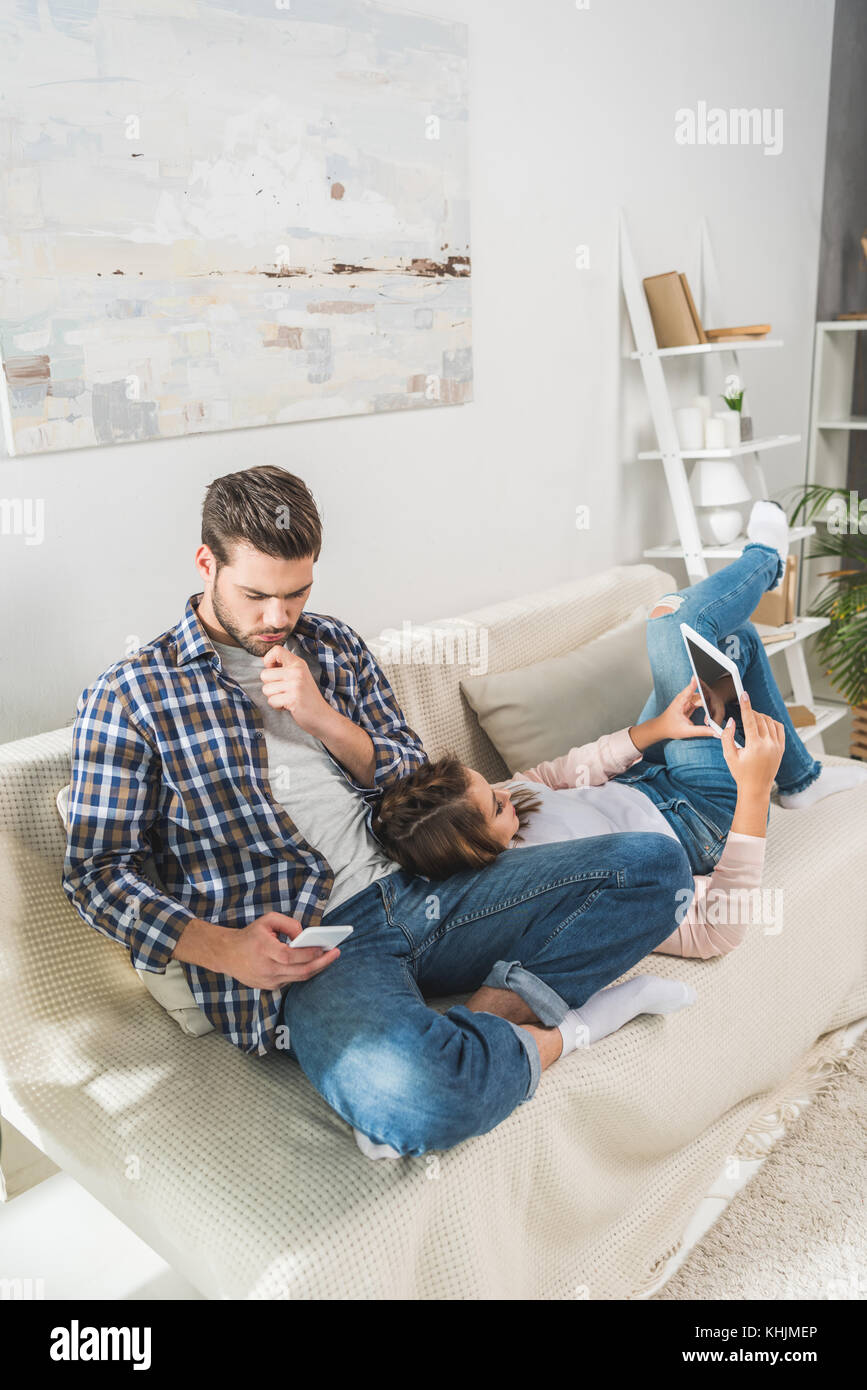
(842, 645)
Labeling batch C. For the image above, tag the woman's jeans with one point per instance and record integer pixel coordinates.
(554, 924)
(688, 778)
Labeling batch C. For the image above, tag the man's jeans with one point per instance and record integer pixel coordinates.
(688, 778)
(554, 924)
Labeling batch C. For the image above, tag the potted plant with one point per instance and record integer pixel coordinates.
(842, 645)
(734, 399)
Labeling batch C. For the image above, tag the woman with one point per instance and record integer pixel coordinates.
(668, 773)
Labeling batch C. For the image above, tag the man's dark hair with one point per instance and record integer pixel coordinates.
(265, 507)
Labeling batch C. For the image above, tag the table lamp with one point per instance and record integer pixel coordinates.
(718, 487)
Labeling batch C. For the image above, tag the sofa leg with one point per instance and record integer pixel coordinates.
(22, 1165)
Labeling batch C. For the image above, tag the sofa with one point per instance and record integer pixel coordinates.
(236, 1172)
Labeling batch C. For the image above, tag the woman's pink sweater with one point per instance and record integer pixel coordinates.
(707, 928)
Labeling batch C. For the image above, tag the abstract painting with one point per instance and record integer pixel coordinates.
(227, 213)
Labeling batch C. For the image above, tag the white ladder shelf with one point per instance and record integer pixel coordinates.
(689, 548)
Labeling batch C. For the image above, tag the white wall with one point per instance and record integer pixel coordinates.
(434, 512)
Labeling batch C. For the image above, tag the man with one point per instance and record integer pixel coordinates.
(242, 752)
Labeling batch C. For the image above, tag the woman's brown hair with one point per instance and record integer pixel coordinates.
(427, 822)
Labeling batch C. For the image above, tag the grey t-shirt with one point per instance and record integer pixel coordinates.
(327, 810)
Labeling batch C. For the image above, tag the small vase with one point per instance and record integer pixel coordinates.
(731, 423)
(746, 428)
(719, 525)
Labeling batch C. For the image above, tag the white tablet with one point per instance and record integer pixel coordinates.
(709, 665)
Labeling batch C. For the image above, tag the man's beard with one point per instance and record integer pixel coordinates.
(228, 622)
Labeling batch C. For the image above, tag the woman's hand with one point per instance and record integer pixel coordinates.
(754, 766)
(674, 722)
(715, 697)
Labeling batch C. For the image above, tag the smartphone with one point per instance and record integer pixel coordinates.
(326, 937)
(709, 665)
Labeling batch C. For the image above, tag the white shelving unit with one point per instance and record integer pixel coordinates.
(701, 349)
(804, 627)
(831, 420)
(722, 552)
(689, 547)
(753, 446)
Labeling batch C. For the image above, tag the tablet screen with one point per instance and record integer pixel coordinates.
(707, 669)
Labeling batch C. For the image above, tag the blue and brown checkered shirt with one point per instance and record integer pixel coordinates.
(169, 767)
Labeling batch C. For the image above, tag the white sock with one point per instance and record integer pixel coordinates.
(601, 1014)
(608, 1010)
(768, 525)
(372, 1150)
(830, 780)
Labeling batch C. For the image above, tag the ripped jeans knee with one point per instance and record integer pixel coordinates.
(669, 603)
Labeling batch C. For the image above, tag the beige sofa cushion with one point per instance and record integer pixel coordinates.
(425, 664)
(540, 711)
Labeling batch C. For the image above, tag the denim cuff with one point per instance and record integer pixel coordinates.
(533, 1058)
(803, 783)
(769, 550)
(546, 1003)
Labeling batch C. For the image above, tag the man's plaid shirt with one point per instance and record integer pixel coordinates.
(169, 764)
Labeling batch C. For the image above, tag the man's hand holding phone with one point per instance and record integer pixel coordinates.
(258, 958)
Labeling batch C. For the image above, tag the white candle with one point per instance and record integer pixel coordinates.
(703, 404)
(714, 434)
(690, 427)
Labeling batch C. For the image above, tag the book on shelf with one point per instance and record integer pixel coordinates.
(672, 311)
(771, 635)
(745, 330)
(801, 716)
(702, 336)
